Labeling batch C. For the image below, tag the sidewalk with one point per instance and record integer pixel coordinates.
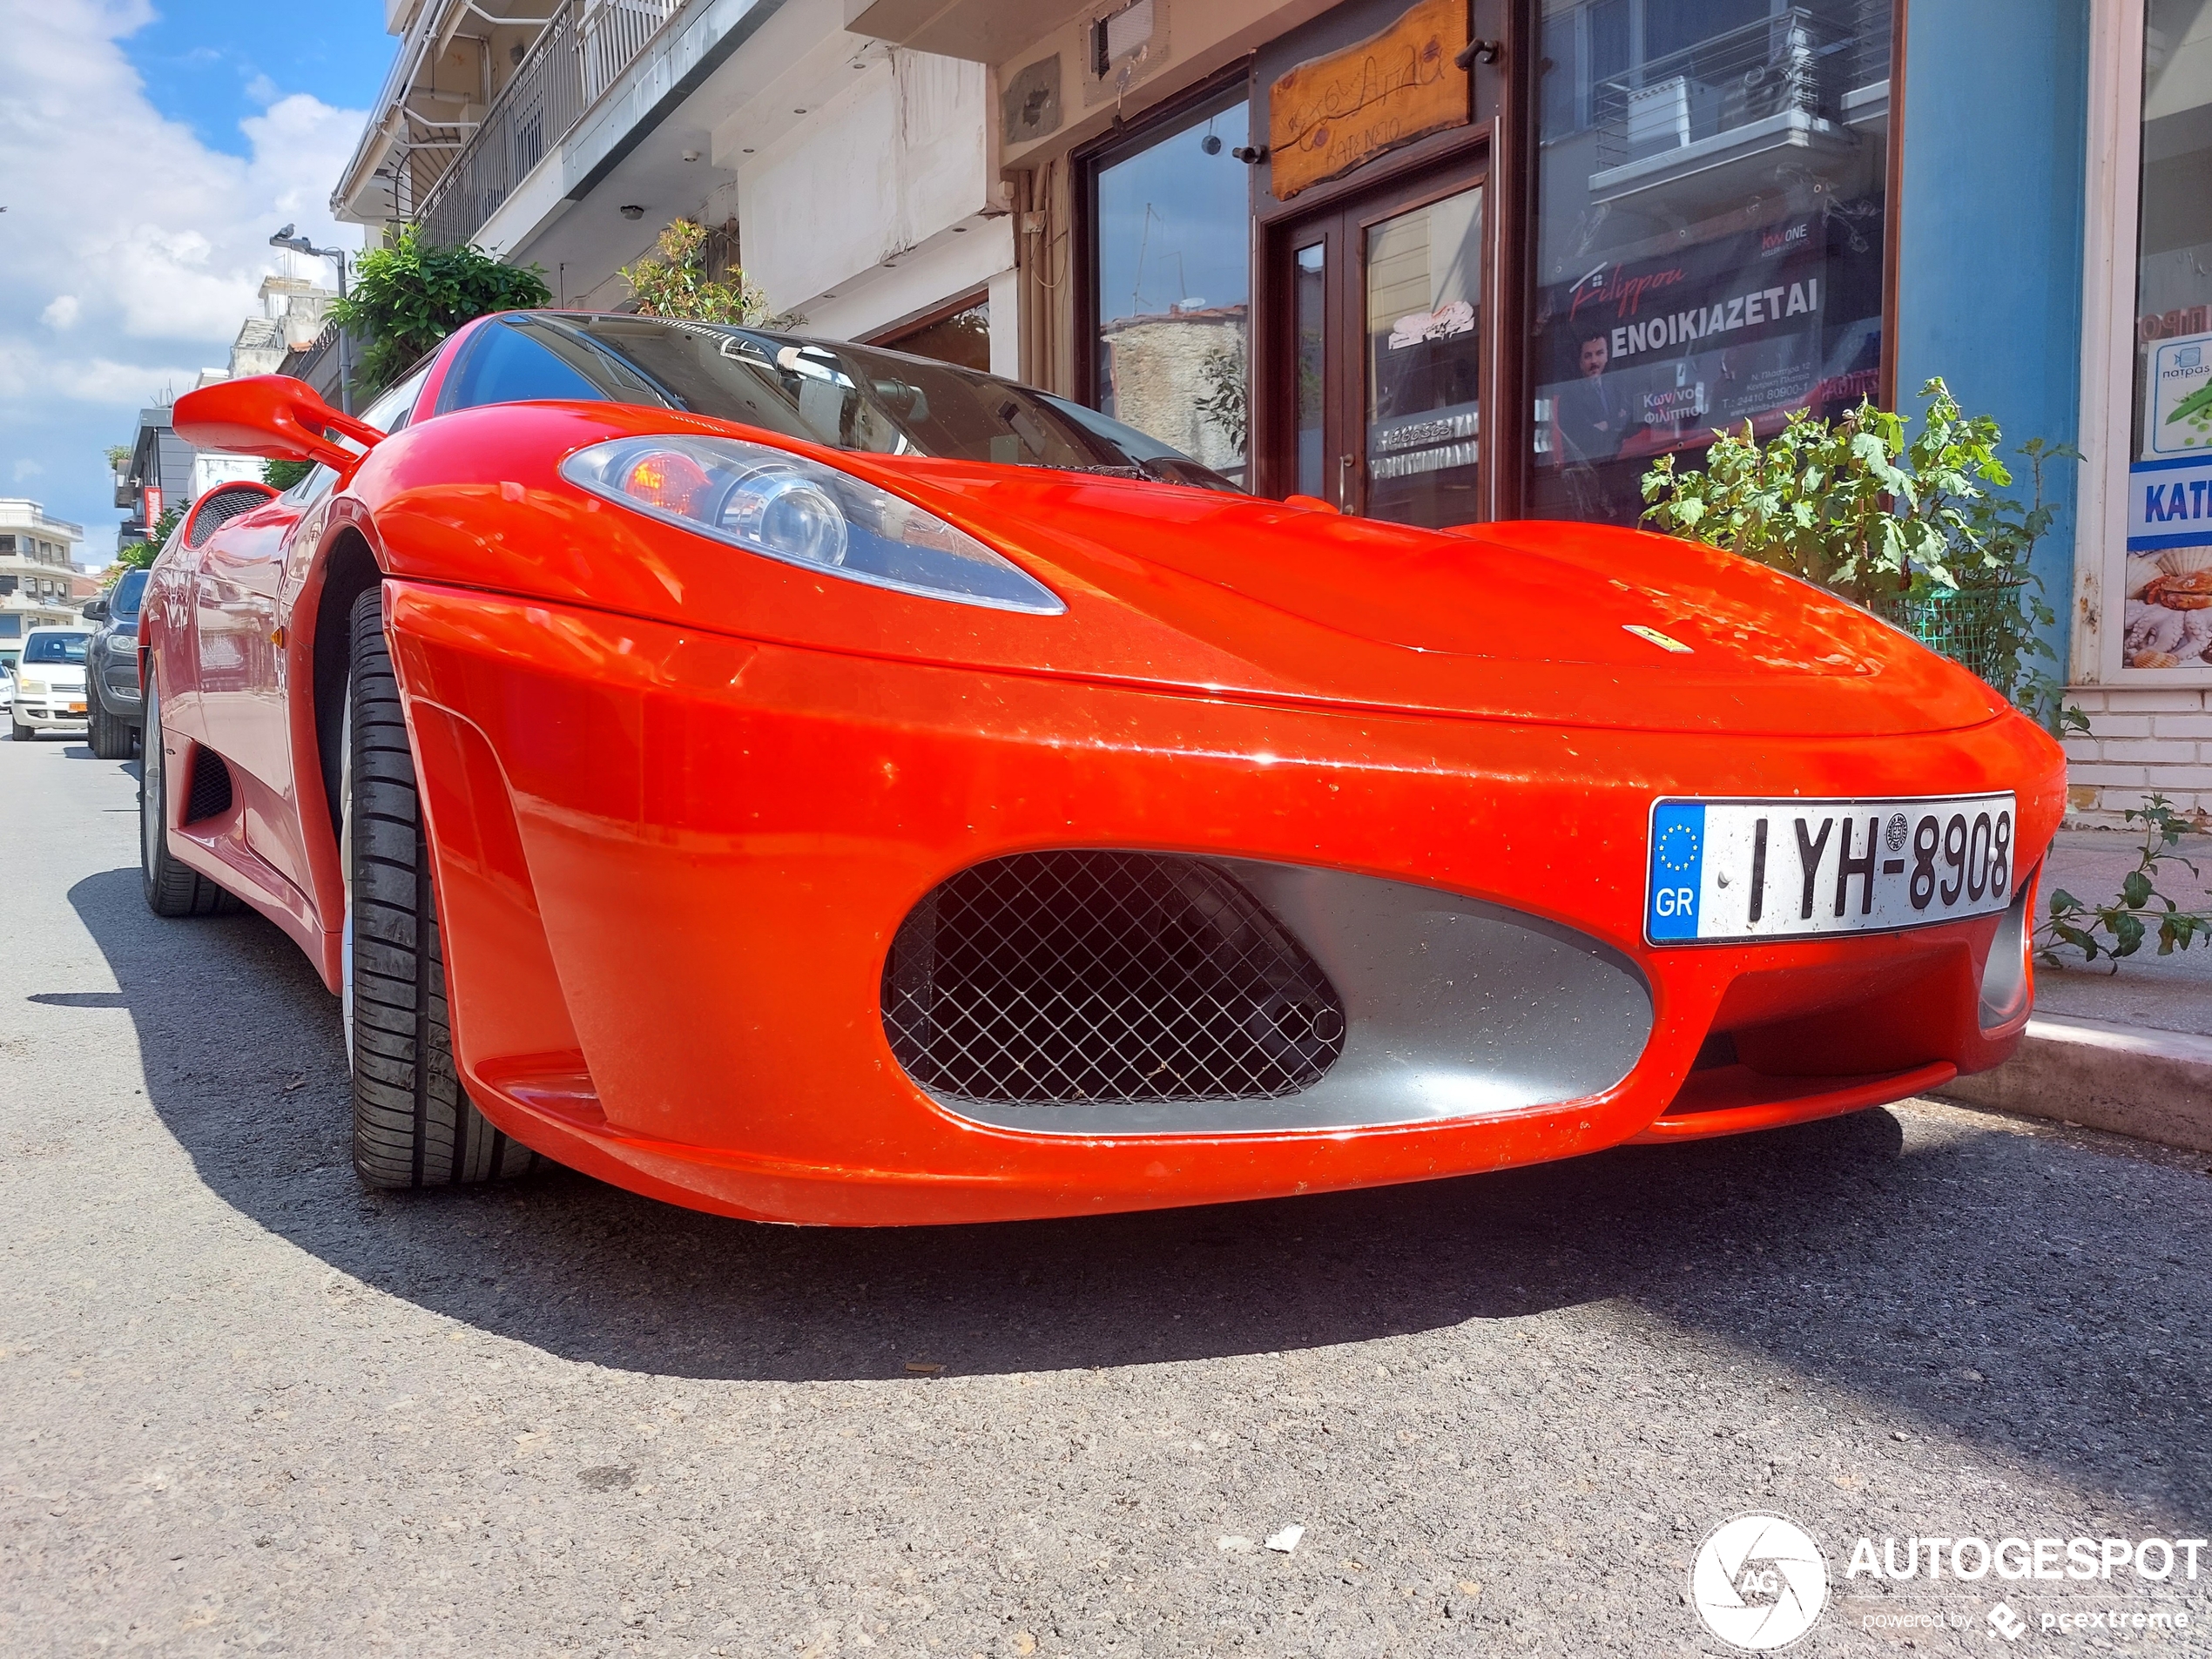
(2126, 1049)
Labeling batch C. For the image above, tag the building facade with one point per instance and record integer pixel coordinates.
(164, 471)
(1435, 260)
(39, 583)
(2141, 624)
(854, 179)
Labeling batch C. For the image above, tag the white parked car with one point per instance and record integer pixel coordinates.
(50, 683)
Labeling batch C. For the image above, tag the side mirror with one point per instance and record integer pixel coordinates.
(96, 610)
(271, 415)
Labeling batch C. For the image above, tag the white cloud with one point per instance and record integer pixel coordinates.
(131, 252)
(28, 469)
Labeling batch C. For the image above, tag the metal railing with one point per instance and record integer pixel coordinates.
(1795, 60)
(580, 53)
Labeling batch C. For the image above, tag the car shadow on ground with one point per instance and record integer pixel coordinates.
(2024, 1293)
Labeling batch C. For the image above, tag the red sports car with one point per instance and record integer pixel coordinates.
(818, 784)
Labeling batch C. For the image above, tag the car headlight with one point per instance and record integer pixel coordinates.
(803, 512)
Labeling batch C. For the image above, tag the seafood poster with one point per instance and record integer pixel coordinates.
(2168, 617)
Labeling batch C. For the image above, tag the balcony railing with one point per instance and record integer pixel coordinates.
(580, 53)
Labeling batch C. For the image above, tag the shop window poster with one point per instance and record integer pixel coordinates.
(1642, 357)
(2167, 624)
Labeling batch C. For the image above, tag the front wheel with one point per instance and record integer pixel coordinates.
(414, 1124)
(110, 737)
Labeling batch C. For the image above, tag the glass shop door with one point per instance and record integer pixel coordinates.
(1384, 297)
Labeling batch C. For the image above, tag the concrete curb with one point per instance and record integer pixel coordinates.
(2131, 1080)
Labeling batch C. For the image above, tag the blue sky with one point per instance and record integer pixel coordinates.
(203, 61)
(147, 150)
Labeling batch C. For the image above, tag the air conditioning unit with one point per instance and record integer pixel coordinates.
(1671, 114)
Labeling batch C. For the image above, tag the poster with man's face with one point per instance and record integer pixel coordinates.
(1638, 358)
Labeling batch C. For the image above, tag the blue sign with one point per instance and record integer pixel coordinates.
(1677, 871)
(2169, 503)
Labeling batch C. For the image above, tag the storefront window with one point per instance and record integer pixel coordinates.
(1710, 209)
(1172, 280)
(2168, 621)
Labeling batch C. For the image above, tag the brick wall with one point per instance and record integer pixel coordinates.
(2141, 740)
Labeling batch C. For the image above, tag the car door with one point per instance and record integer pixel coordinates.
(244, 678)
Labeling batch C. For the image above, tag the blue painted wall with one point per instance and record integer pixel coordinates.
(1989, 269)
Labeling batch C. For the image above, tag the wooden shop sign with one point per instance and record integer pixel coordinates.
(1327, 115)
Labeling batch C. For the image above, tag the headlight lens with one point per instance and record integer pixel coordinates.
(788, 507)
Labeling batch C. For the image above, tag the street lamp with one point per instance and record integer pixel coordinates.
(287, 238)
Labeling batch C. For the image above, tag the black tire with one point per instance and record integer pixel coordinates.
(109, 738)
(414, 1125)
(18, 731)
(172, 887)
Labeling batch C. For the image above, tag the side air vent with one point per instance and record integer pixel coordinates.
(211, 788)
(220, 505)
(1094, 977)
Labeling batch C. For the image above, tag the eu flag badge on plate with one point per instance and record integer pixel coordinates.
(1677, 870)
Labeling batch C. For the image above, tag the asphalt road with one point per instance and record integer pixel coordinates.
(247, 1407)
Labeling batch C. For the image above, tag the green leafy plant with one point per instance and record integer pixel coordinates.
(1224, 402)
(139, 555)
(1897, 520)
(672, 282)
(2126, 922)
(409, 294)
(280, 476)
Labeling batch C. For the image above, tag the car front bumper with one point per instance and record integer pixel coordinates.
(65, 713)
(672, 864)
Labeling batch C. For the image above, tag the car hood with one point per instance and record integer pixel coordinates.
(61, 677)
(1196, 591)
(1550, 622)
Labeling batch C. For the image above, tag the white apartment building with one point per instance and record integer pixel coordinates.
(39, 583)
(566, 133)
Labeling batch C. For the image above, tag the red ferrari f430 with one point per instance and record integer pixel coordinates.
(818, 784)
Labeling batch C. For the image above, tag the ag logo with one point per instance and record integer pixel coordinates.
(1758, 1583)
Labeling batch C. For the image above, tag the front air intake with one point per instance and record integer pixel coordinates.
(210, 796)
(220, 506)
(1094, 978)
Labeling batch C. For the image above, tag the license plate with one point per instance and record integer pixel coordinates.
(77, 708)
(1768, 869)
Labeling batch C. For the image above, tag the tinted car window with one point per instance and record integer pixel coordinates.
(54, 648)
(842, 396)
(510, 365)
(390, 412)
(130, 593)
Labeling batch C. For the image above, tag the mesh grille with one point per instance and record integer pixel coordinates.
(211, 788)
(1061, 978)
(220, 505)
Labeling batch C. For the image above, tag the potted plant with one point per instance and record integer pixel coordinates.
(1914, 527)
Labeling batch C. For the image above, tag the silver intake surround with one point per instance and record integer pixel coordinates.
(2005, 980)
(1454, 1009)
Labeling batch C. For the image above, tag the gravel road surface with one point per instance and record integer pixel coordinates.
(245, 1408)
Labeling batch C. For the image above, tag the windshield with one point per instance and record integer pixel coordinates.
(54, 648)
(130, 593)
(842, 396)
